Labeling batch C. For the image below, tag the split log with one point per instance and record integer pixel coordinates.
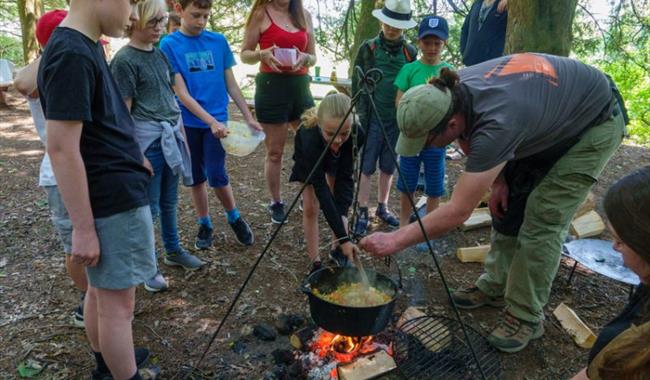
(588, 205)
(581, 333)
(588, 225)
(432, 333)
(473, 254)
(301, 338)
(367, 367)
(480, 218)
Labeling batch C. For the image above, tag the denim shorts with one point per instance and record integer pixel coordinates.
(376, 149)
(434, 172)
(60, 218)
(208, 157)
(126, 244)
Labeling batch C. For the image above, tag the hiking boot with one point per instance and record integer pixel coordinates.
(513, 335)
(156, 284)
(203, 237)
(361, 226)
(243, 232)
(183, 259)
(386, 216)
(339, 258)
(473, 297)
(277, 212)
(141, 358)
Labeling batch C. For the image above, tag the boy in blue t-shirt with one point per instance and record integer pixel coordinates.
(202, 61)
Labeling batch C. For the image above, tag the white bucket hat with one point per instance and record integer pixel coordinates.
(396, 13)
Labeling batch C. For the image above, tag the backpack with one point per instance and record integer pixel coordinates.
(409, 51)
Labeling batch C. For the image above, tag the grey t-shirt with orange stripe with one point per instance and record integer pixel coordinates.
(523, 104)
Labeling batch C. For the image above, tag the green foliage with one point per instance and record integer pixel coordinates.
(11, 48)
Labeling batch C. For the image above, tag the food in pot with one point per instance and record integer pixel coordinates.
(355, 294)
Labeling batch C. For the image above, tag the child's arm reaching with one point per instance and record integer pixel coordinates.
(238, 98)
(218, 129)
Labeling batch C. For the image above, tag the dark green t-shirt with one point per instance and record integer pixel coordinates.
(147, 78)
(417, 73)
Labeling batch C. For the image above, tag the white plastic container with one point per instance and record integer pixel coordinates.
(241, 140)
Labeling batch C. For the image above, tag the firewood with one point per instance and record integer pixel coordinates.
(582, 335)
(473, 254)
(588, 225)
(300, 339)
(432, 333)
(367, 367)
(586, 206)
(480, 218)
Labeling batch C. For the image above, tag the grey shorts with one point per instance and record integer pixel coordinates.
(60, 218)
(376, 148)
(126, 243)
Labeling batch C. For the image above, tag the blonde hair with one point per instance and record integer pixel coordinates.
(334, 105)
(296, 11)
(147, 10)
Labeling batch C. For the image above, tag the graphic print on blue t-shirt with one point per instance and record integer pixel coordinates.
(199, 61)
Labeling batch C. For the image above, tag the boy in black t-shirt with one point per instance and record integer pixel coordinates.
(101, 177)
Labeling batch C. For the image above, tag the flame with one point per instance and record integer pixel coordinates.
(342, 348)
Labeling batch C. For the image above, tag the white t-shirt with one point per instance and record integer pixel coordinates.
(46, 176)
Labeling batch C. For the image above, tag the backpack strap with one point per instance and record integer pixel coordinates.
(409, 53)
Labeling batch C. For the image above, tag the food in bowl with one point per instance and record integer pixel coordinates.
(241, 140)
(355, 294)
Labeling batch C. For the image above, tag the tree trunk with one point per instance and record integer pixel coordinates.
(29, 12)
(367, 27)
(540, 26)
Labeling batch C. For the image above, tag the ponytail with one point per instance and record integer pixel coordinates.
(448, 79)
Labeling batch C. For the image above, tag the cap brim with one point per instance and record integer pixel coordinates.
(399, 24)
(436, 33)
(409, 146)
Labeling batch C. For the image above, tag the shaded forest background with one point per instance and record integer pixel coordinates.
(619, 44)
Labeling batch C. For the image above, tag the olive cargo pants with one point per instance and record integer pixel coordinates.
(522, 268)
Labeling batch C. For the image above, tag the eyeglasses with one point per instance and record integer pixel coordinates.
(162, 21)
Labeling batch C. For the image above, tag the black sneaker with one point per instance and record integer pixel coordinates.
(141, 359)
(386, 216)
(243, 232)
(203, 237)
(277, 212)
(361, 226)
(339, 258)
(78, 313)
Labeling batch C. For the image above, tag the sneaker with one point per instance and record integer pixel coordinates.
(78, 315)
(386, 216)
(423, 247)
(361, 226)
(277, 212)
(339, 258)
(203, 237)
(141, 358)
(316, 265)
(183, 259)
(513, 335)
(243, 232)
(156, 284)
(473, 297)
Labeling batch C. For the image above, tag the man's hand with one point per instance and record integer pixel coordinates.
(218, 130)
(267, 58)
(498, 202)
(85, 247)
(349, 250)
(147, 165)
(379, 244)
(503, 6)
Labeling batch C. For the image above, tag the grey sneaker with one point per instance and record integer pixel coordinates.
(156, 284)
(203, 237)
(277, 212)
(183, 259)
(513, 335)
(243, 232)
(473, 297)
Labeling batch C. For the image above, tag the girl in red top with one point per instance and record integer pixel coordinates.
(285, 35)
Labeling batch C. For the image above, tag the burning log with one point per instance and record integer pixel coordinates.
(300, 339)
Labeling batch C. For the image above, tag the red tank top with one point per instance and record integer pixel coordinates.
(283, 39)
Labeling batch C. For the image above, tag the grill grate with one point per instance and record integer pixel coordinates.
(434, 348)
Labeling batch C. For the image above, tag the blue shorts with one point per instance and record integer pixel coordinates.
(208, 157)
(60, 217)
(434, 172)
(375, 149)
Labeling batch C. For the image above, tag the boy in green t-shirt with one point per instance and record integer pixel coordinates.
(432, 37)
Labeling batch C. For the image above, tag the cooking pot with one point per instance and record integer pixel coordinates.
(352, 321)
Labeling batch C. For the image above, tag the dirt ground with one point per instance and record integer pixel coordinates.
(37, 298)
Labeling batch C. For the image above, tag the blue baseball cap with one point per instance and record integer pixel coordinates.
(434, 26)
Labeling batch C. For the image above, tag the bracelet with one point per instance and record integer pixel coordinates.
(259, 53)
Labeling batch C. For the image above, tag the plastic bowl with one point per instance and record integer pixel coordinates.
(241, 140)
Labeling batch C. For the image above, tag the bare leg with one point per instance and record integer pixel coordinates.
(115, 314)
(90, 318)
(310, 208)
(364, 190)
(432, 204)
(226, 197)
(200, 199)
(276, 135)
(385, 181)
(404, 209)
(77, 273)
